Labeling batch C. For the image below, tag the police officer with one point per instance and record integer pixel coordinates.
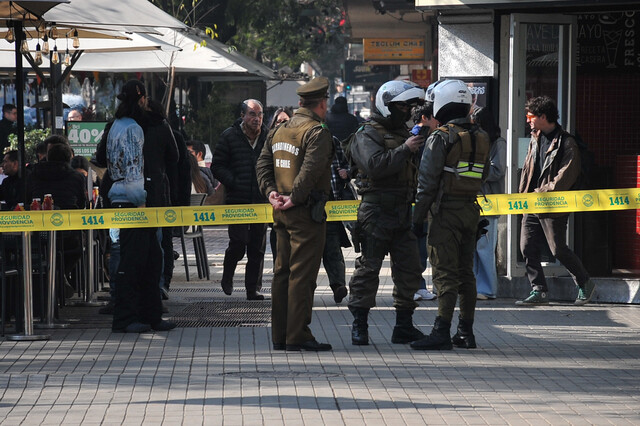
(452, 168)
(294, 172)
(385, 155)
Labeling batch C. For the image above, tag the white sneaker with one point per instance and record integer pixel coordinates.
(423, 294)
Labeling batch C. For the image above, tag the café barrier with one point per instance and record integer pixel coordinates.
(494, 204)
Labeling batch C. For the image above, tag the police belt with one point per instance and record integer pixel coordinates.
(385, 200)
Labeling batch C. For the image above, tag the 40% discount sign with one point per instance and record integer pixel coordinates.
(84, 136)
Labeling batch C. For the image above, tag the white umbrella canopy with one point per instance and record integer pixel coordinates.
(26, 10)
(194, 58)
(118, 42)
(114, 14)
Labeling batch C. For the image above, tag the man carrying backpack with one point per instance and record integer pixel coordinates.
(454, 164)
(552, 164)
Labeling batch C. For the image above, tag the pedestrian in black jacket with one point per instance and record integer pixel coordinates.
(234, 165)
(341, 123)
(161, 154)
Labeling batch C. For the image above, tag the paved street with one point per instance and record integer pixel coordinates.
(553, 365)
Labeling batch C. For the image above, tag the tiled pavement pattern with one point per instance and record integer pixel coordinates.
(552, 365)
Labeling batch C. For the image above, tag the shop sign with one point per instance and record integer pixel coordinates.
(84, 136)
(609, 41)
(356, 72)
(394, 50)
(421, 77)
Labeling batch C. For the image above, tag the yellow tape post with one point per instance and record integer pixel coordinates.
(495, 204)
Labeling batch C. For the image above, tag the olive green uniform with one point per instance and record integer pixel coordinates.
(387, 182)
(296, 160)
(450, 177)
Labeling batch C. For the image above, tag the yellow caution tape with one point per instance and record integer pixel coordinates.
(495, 204)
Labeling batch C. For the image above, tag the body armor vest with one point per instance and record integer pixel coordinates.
(467, 155)
(288, 153)
(404, 181)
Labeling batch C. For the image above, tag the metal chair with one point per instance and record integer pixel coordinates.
(195, 234)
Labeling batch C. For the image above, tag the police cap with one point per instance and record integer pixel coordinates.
(316, 88)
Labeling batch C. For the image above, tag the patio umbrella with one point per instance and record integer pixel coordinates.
(15, 13)
(112, 14)
(210, 60)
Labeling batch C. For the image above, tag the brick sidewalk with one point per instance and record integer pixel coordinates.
(555, 365)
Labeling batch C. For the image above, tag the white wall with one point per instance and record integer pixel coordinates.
(465, 50)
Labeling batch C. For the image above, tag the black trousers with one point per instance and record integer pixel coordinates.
(138, 297)
(534, 231)
(332, 257)
(252, 239)
(167, 248)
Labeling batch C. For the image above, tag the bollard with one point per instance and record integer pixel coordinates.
(87, 299)
(28, 297)
(51, 299)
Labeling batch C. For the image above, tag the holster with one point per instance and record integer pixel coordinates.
(316, 203)
(355, 236)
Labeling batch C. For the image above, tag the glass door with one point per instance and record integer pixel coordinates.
(542, 52)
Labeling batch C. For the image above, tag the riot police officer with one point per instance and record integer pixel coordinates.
(452, 169)
(385, 155)
(294, 172)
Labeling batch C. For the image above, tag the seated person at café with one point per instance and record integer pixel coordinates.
(10, 187)
(68, 190)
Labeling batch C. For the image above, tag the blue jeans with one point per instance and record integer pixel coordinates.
(484, 260)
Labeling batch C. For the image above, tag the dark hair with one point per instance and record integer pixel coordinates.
(198, 147)
(244, 107)
(420, 110)
(131, 93)
(274, 117)
(484, 118)
(196, 176)
(8, 108)
(80, 162)
(452, 111)
(59, 152)
(13, 155)
(41, 148)
(310, 103)
(543, 105)
(156, 107)
(55, 140)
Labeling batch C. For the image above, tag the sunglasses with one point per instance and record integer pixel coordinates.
(531, 115)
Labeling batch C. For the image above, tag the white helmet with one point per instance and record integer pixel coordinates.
(429, 94)
(450, 92)
(396, 91)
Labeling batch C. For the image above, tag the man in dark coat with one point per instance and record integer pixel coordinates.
(161, 154)
(341, 123)
(234, 165)
(10, 187)
(7, 124)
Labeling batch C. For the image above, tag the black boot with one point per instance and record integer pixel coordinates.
(360, 329)
(404, 331)
(464, 338)
(439, 339)
(340, 291)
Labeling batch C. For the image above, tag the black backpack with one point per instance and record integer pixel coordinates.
(586, 164)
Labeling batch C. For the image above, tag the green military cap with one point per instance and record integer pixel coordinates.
(316, 88)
